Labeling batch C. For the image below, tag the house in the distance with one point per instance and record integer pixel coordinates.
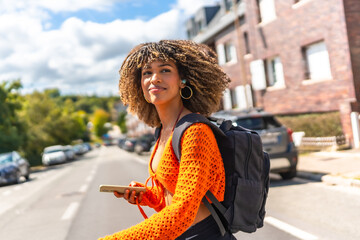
(298, 56)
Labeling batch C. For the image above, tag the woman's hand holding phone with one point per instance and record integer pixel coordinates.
(129, 195)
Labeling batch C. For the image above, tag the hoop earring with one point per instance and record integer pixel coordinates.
(191, 92)
(146, 100)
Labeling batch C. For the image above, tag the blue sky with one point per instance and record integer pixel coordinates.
(125, 10)
(78, 46)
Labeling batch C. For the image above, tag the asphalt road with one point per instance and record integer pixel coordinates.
(64, 202)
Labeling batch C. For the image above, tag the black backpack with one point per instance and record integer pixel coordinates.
(247, 169)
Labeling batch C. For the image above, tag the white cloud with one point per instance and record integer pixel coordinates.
(78, 57)
(57, 6)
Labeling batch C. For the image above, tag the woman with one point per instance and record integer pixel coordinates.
(162, 82)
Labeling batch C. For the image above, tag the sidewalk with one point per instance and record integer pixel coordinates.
(334, 168)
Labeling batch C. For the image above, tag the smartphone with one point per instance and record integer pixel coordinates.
(121, 189)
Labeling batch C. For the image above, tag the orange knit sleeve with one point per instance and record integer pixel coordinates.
(200, 169)
(151, 198)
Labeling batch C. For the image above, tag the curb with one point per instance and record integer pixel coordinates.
(329, 179)
(310, 175)
(339, 180)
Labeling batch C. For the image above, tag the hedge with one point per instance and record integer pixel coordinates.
(314, 124)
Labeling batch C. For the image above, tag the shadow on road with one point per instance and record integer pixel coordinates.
(277, 181)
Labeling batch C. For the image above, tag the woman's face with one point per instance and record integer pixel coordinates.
(160, 82)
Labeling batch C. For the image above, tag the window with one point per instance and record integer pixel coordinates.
(267, 73)
(221, 54)
(316, 61)
(230, 52)
(233, 98)
(229, 4)
(247, 44)
(244, 99)
(237, 98)
(227, 100)
(266, 10)
(258, 79)
(274, 72)
(226, 53)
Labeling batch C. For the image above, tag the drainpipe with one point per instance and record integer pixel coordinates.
(240, 52)
(355, 128)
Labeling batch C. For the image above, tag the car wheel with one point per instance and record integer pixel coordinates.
(27, 176)
(138, 149)
(18, 176)
(288, 175)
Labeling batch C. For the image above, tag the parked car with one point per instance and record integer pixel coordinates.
(53, 155)
(80, 149)
(129, 144)
(88, 146)
(276, 138)
(13, 167)
(121, 142)
(69, 152)
(144, 143)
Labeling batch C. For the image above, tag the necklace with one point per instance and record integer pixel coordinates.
(177, 119)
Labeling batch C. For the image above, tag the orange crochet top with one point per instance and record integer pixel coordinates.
(201, 168)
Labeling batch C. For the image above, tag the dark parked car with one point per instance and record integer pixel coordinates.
(276, 138)
(13, 167)
(129, 144)
(144, 143)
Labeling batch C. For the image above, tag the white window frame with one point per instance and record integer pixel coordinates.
(226, 53)
(258, 77)
(241, 96)
(275, 73)
(230, 52)
(267, 10)
(220, 50)
(317, 61)
(227, 100)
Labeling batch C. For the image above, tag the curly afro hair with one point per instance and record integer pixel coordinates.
(197, 63)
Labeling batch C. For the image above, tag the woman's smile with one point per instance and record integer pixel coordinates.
(156, 89)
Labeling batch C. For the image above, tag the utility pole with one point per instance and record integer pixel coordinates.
(240, 52)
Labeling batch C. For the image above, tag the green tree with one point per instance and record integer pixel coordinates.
(50, 123)
(12, 128)
(121, 121)
(100, 118)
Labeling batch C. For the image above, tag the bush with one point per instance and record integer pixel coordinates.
(314, 124)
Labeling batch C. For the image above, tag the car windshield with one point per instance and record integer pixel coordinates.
(52, 150)
(251, 123)
(258, 123)
(5, 158)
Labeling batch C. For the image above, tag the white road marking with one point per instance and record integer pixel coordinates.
(70, 211)
(290, 229)
(89, 178)
(83, 188)
(17, 188)
(6, 193)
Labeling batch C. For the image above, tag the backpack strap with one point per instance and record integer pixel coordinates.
(192, 118)
(214, 214)
(218, 131)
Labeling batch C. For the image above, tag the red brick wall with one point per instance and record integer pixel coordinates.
(336, 23)
(352, 16)
(295, 26)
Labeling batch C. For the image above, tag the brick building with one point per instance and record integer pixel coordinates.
(299, 56)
